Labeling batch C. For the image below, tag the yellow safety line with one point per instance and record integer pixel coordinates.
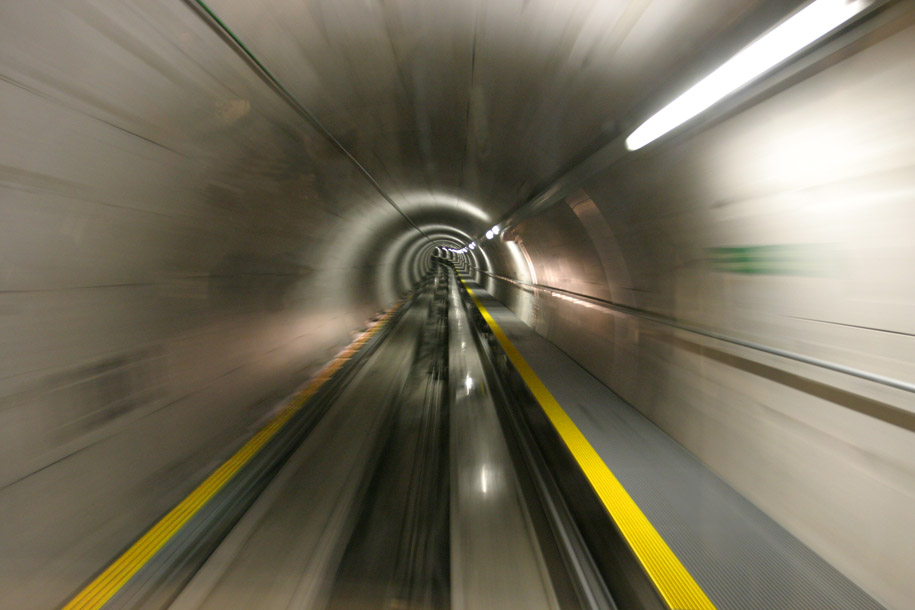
(116, 575)
(675, 584)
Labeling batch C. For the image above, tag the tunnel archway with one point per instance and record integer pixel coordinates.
(201, 202)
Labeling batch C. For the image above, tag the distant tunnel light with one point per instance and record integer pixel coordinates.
(807, 25)
(489, 234)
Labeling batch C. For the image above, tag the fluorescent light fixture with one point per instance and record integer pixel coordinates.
(495, 230)
(489, 234)
(806, 26)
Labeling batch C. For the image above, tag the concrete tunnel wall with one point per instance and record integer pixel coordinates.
(181, 249)
(789, 225)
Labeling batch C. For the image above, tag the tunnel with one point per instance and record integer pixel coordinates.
(470, 304)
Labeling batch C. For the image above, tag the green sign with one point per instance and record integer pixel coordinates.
(808, 260)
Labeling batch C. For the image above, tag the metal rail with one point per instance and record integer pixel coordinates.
(898, 384)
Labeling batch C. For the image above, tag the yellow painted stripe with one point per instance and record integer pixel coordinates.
(675, 584)
(116, 575)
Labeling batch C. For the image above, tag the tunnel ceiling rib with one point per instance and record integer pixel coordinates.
(242, 49)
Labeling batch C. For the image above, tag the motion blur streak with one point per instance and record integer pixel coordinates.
(192, 226)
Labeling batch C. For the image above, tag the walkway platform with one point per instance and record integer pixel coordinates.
(740, 558)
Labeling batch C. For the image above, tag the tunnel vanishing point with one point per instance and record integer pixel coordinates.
(432, 304)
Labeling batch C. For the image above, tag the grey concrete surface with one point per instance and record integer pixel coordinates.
(733, 550)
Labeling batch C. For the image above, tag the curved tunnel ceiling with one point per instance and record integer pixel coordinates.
(462, 110)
